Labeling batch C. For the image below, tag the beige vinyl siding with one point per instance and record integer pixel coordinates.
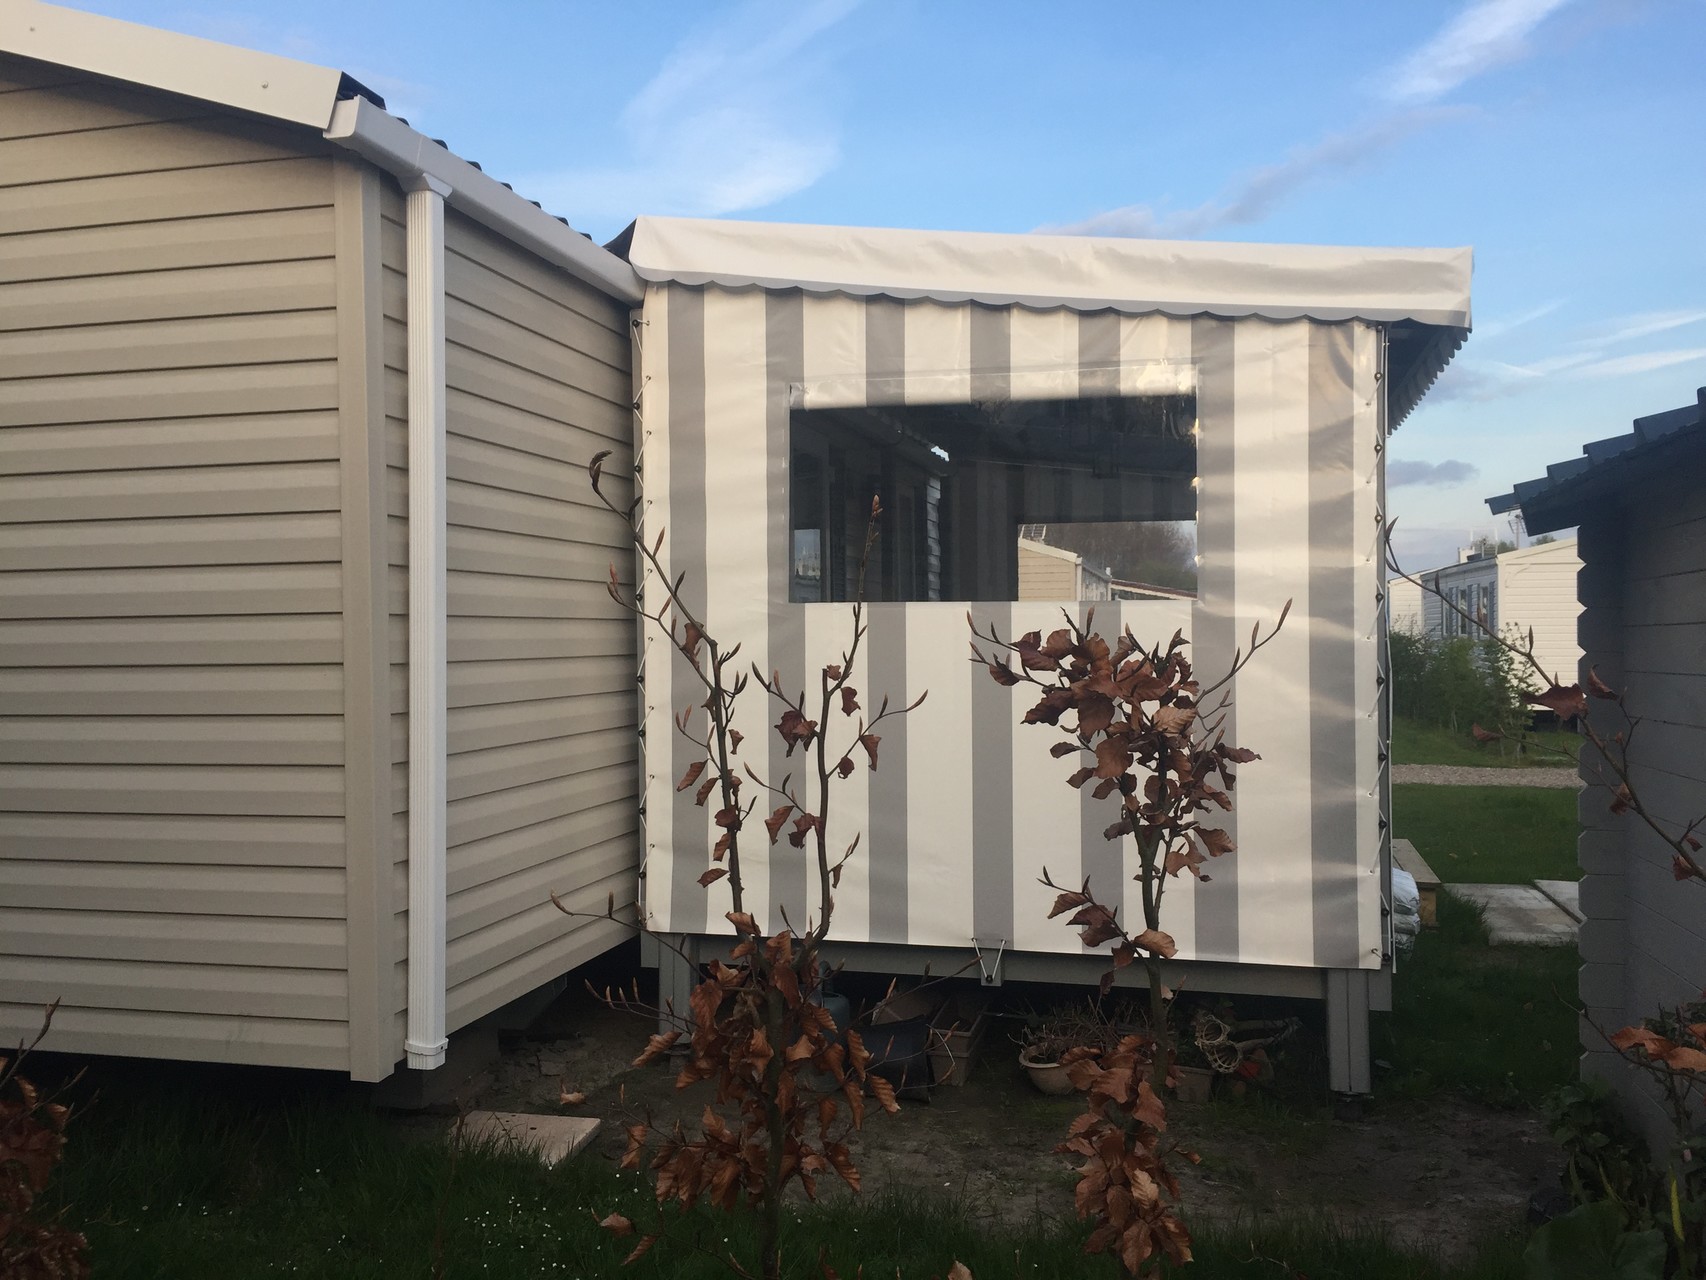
(171, 758)
(541, 727)
(1537, 590)
(1046, 574)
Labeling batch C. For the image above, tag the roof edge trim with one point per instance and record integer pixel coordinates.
(1451, 317)
(190, 66)
(381, 138)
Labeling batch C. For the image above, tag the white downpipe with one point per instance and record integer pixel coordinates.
(425, 1040)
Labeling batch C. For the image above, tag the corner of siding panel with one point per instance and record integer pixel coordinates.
(369, 911)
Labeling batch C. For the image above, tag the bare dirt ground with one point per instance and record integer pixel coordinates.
(1438, 1174)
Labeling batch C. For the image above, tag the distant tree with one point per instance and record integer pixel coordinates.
(1544, 539)
(1489, 547)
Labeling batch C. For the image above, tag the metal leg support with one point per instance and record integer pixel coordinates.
(1348, 1069)
(676, 980)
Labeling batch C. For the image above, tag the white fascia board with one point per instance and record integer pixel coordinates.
(243, 79)
(378, 136)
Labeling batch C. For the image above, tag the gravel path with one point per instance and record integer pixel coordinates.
(1456, 775)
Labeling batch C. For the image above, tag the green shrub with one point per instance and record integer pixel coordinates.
(1455, 683)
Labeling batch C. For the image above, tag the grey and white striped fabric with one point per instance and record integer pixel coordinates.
(967, 807)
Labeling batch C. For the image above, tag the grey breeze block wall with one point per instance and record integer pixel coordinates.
(203, 624)
(1643, 624)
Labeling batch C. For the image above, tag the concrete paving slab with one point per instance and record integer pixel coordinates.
(1519, 913)
(1566, 893)
(553, 1138)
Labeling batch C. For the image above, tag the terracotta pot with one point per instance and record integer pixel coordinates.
(1195, 1084)
(1049, 1077)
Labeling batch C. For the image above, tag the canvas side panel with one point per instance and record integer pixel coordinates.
(1220, 351)
(1272, 796)
(1047, 815)
(172, 822)
(1372, 734)
(733, 566)
(1340, 639)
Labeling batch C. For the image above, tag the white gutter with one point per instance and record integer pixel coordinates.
(376, 135)
(432, 175)
(424, 1039)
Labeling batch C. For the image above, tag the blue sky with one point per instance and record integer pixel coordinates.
(1563, 139)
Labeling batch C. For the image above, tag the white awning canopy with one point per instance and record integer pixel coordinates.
(1420, 295)
(1086, 273)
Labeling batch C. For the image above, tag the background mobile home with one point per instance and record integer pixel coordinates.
(1529, 588)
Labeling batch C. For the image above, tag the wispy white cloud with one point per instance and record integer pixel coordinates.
(1400, 472)
(1486, 34)
(1642, 362)
(732, 121)
(1586, 357)
(1642, 325)
(1257, 194)
(1498, 328)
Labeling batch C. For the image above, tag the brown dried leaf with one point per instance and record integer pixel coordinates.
(691, 776)
(849, 700)
(656, 1047)
(1216, 841)
(1160, 943)
(844, 766)
(712, 876)
(1172, 719)
(617, 1225)
(885, 1094)
(1566, 701)
(1071, 900)
(869, 741)
(1113, 758)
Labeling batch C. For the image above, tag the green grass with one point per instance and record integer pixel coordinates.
(1489, 835)
(1416, 743)
(188, 1173)
(1492, 1023)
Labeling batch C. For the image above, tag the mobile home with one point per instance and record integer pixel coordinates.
(310, 692)
(1639, 499)
(1532, 588)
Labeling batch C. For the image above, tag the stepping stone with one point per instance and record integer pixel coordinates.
(1519, 913)
(551, 1138)
(1566, 893)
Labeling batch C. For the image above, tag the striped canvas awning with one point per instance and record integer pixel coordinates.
(1421, 296)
